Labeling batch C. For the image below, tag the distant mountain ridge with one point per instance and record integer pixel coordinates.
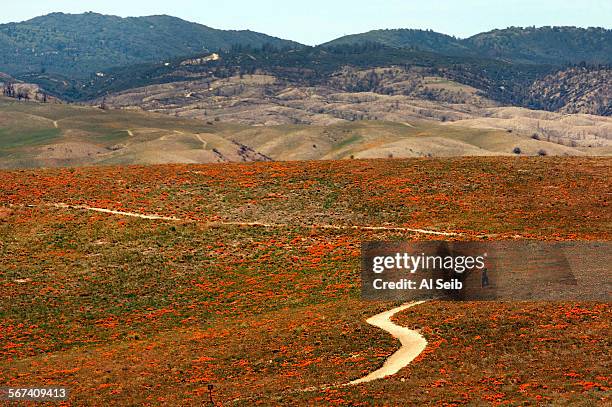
(88, 56)
(544, 45)
(79, 44)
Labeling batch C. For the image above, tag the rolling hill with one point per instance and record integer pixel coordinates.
(88, 56)
(130, 311)
(425, 40)
(531, 45)
(58, 135)
(546, 45)
(307, 66)
(399, 93)
(183, 225)
(78, 45)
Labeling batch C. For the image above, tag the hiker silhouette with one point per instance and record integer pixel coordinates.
(485, 278)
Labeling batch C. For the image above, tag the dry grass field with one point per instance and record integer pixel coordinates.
(57, 135)
(408, 96)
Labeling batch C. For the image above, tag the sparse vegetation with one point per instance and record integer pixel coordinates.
(51, 135)
(579, 89)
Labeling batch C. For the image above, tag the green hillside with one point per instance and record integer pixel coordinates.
(425, 40)
(553, 45)
(79, 44)
(544, 45)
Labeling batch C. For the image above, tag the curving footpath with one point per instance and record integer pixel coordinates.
(413, 343)
(254, 224)
(113, 212)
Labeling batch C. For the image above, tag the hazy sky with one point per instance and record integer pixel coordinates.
(316, 21)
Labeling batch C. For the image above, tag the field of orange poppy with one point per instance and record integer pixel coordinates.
(248, 279)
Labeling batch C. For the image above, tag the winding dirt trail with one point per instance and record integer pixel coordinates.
(201, 140)
(413, 343)
(131, 214)
(254, 224)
